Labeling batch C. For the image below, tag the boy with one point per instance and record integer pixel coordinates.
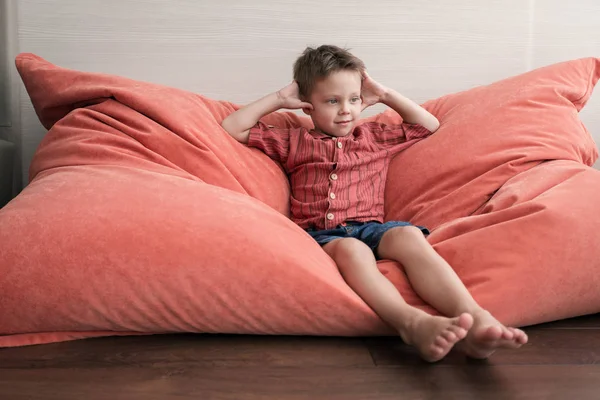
(337, 173)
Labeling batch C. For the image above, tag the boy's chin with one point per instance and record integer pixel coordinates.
(344, 132)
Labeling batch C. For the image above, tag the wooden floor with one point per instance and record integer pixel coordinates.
(561, 362)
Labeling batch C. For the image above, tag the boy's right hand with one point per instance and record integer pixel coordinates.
(372, 92)
(289, 97)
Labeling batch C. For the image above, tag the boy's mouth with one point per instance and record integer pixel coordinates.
(344, 122)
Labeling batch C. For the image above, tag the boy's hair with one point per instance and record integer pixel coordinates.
(315, 64)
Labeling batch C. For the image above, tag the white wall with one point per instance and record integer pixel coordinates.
(239, 50)
(4, 70)
(10, 86)
(563, 30)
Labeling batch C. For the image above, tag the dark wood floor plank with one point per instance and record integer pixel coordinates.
(188, 349)
(417, 382)
(561, 361)
(546, 346)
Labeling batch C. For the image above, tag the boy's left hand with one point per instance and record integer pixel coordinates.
(372, 92)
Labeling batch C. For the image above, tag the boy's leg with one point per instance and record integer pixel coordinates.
(433, 336)
(437, 283)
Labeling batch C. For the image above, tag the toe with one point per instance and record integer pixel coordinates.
(519, 337)
(490, 334)
(440, 341)
(459, 332)
(435, 354)
(465, 321)
(522, 338)
(507, 333)
(449, 336)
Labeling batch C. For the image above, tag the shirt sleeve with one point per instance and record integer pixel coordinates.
(392, 135)
(274, 142)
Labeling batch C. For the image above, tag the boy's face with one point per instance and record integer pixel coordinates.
(336, 103)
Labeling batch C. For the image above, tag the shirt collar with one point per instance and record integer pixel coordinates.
(318, 135)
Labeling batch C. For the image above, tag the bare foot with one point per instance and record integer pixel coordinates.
(435, 336)
(489, 335)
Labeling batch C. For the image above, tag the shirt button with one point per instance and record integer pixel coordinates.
(339, 145)
(333, 177)
(330, 216)
(332, 195)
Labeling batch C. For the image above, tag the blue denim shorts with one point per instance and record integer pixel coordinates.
(369, 233)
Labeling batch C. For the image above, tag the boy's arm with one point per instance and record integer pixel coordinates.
(411, 112)
(238, 123)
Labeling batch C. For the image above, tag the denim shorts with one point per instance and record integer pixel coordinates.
(370, 233)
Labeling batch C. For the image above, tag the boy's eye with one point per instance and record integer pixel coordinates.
(332, 101)
(355, 99)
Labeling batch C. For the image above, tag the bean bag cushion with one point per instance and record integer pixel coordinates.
(143, 216)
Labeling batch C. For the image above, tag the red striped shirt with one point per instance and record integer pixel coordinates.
(336, 179)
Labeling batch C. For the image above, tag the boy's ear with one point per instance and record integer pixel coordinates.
(306, 111)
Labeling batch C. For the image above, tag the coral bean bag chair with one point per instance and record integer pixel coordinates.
(143, 216)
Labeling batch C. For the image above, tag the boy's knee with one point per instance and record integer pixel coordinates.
(401, 241)
(348, 248)
(404, 234)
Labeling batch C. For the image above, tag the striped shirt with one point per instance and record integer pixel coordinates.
(336, 179)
